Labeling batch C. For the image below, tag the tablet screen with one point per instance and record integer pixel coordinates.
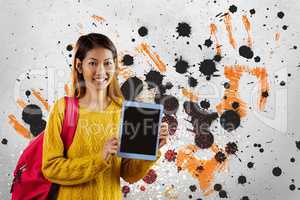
(140, 130)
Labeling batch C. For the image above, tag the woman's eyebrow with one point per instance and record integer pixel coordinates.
(97, 59)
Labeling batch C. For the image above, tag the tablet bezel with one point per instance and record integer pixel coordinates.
(141, 105)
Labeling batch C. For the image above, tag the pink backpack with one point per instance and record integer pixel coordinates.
(29, 181)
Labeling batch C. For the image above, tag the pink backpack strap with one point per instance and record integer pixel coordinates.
(70, 121)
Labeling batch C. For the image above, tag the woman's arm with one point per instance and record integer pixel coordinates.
(55, 166)
(133, 170)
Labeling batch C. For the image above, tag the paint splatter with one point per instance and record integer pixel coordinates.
(131, 88)
(150, 177)
(205, 104)
(170, 103)
(232, 9)
(242, 179)
(181, 66)
(250, 165)
(170, 155)
(172, 123)
(280, 14)
(4, 141)
(231, 148)
(297, 144)
(153, 79)
(125, 190)
(246, 52)
(277, 171)
(230, 120)
(208, 68)
(32, 115)
(228, 24)
(69, 47)
(192, 82)
(146, 50)
(204, 139)
(193, 188)
(220, 156)
(143, 31)
(208, 42)
(127, 60)
(183, 29)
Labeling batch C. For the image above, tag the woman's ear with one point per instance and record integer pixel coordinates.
(79, 66)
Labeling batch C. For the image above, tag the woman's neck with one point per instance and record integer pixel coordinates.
(97, 101)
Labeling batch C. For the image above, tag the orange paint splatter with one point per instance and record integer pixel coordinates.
(21, 130)
(203, 170)
(190, 95)
(228, 24)
(21, 103)
(213, 32)
(145, 49)
(247, 26)
(97, 18)
(41, 99)
(233, 74)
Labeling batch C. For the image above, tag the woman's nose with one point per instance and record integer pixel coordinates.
(100, 68)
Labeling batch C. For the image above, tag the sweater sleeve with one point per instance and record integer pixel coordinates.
(57, 168)
(133, 170)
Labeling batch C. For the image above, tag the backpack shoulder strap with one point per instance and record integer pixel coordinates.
(70, 121)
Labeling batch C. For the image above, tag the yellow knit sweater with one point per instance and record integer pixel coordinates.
(85, 174)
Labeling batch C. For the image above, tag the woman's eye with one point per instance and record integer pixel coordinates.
(108, 63)
(92, 63)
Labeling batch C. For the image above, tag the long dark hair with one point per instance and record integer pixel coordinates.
(84, 44)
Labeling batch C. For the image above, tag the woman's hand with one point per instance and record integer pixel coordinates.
(163, 134)
(110, 148)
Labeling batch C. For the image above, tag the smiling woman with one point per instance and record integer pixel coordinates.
(91, 170)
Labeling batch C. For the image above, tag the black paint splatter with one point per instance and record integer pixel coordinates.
(246, 52)
(4, 141)
(250, 164)
(32, 115)
(192, 82)
(242, 179)
(208, 68)
(277, 171)
(193, 188)
(208, 42)
(172, 123)
(27, 93)
(181, 65)
(257, 59)
(153, 79)
(297, 144)
(131, 88)
(280, 14)
(232, 8)
(217, 187)
(205, 104)
(127, 60)
(223, 194)
(69, 47)
(183, 29)
(220, 157)
(204, 140)
(231, 148)
(143, 31)
(252, 11)
(217, 58)
(230, 120)
(170, 103)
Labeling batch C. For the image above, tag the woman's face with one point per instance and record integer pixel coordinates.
(98, 68)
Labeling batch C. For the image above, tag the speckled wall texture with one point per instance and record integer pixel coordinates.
(231, 66)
